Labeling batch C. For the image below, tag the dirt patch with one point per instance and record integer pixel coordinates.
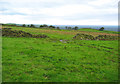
(75, 32)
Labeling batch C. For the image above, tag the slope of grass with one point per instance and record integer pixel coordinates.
(95, 30)
(82, 29)
(56, 60)
(46, 60)
(61, 34)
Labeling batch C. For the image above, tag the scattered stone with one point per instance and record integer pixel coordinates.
(83, 37)
(14, 33)
(106, 37)
(63, 41)
(90, 37)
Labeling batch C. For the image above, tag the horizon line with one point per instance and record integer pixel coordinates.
(59, 24)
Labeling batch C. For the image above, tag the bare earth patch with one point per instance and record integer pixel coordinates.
(75, 32)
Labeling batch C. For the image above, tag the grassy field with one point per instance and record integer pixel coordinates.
(52, 60)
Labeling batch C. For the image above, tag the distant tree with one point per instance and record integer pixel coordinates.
(76, 28)
(28, 25)
(32, 25)
(9, 24)
(41, 26)
(69, 28)
(51, 26)
(23, 25)
(66, 27)
(58, 28)
(101, 29)
(12, 24)
(45, 25)
(73, 28)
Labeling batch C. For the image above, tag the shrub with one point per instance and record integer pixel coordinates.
(101, 29)
(23, 25)
(58, 28)
(32, 25)
(45, 25)
(41, 26)
(76, 28)
(51, 26)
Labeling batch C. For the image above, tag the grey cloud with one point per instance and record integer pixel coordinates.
(3, 9)
(34, 5)
(8, 6)
(44, 4)
(102, 17)
(13, 13)
(39, 17)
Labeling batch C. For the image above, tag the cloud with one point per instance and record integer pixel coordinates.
(60, 11)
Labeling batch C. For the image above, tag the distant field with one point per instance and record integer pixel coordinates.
(94, 30)
(53, 60)
(47, 30)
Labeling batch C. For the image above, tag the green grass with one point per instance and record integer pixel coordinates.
(82, 29)
(49, 60)
(50, 33)
(95, 30)
(42, 60)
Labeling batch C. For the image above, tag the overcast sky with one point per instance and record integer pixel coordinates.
(59, 12)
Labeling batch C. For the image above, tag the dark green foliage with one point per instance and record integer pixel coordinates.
(69, 28)
(23, 25)
(45, 25)
(75, 28)
(66, 27)
(101, 29)
(58, 28)
(41, 26)
(28, 25)
(13, 33)
(32, 25)
(51, 26)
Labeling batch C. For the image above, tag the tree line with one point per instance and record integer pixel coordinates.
(51, 26)
(41, 26)
(46, 26)
(70, 28)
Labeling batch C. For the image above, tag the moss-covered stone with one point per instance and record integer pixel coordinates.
(83, 37)
(14, 33)
(106, 37)
(90, 37)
